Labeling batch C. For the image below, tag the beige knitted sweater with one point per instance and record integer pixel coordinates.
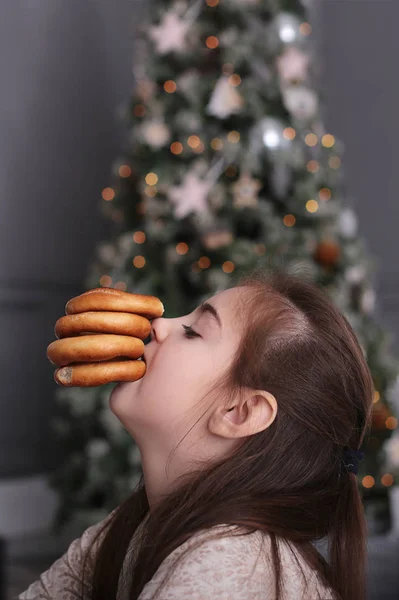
(231, 568)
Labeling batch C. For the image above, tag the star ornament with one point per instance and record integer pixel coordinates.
(170, 35)
(190, 196)
(225, 99)
(292, 65)
(156, 133)
(245, 191)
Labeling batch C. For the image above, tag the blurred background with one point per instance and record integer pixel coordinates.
(75, 85)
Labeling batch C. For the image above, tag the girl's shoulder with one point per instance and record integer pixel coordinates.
(236, 566)
(63, 579)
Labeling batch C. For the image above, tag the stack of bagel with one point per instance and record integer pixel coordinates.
(101, 338)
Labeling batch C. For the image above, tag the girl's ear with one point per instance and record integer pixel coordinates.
(256, 413)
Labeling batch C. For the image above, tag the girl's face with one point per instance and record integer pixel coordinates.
(182, 364)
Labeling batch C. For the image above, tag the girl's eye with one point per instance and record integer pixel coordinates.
(189, 332)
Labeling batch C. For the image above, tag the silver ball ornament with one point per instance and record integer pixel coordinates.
(286, 26)
(268, 134)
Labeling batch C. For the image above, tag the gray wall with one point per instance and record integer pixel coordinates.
(65, 68)
(359, 48)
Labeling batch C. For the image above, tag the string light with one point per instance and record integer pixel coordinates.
(200, 148)
(334, 162)
(387, 479)
(193, 141)
(151, 179)
(313, 166)
(124, 171)
(151, 191)
(377, 397)
(204, 262)
(108, 194)
(289, 220)
(181, 248)
(328, 140)
(228, 266)
(170, 86)
(176, 148)
(325, 194)
(289, 133)
(368, 481)
(391, 423)
(212, 42)
(139, 237)
(212, 3)
(121, 285)
(233, 137)
(311, 139)
(105, 281)
(305, 28)
(312, 206)
(234, 80)
(139, 262)
(216, 144)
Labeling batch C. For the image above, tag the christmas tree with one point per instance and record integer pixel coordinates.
(228, 166)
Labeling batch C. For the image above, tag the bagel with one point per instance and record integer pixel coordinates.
(120, 323)
(94, 374)
(100, 340)
(94, 348)
(112, 299)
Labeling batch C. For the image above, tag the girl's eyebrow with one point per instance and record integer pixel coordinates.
(206, 307)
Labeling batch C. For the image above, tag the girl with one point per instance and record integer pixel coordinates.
(243, 421)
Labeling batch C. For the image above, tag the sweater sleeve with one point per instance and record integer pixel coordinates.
(228, 568)
(62, 581)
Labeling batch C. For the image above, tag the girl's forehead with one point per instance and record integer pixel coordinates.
(229, 303)
(229, 298)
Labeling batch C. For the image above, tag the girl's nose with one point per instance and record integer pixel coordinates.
(161, 328)
(153, 333)
(158, 326)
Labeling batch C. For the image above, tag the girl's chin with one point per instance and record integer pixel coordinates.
(126, 387)
(124, 384)
(121, 396)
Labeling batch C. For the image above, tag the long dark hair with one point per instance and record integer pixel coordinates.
(288, 480)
